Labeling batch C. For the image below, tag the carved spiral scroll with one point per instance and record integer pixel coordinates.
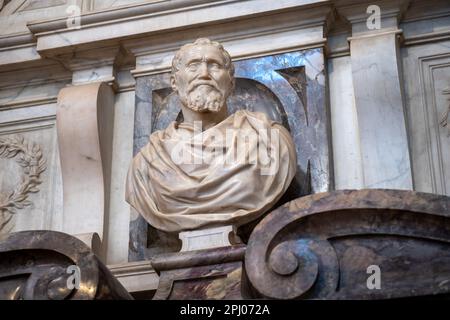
(43, 265)
(283, 264)
(292, 269)
(29, 157)
(310, 247)
(296, 262)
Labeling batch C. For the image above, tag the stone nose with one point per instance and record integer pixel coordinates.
(203, 72)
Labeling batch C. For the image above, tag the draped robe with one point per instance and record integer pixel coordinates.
(186, 179)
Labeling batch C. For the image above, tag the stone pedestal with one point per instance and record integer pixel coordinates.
(206, 238)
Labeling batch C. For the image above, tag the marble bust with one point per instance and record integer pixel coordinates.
(212, 169)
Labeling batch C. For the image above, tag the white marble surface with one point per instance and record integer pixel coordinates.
(84, 119)
(154, 61)
(119, 214)
(348, 173)
(96, 74)
(19, 54)
(135, 276)
(16, 14)
(427, 75)
(164, 20)
(37, 125)
(33, 85)
(205, 238)
(381, 119)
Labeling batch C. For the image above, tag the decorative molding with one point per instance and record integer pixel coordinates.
(426, 10)
(151, 70)
(444, 122)
(29, 157)
(426, 38)
(32, 86)
(248, 38)
(136, 276)
(123, 13)
(357, 12)
(430, 118)
(28, 125)
(13, 40)
(27, 103)
(54, 38)
(397, 32)
(160, 8)
(41, 4)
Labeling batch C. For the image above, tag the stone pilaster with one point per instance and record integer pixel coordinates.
(378, 94)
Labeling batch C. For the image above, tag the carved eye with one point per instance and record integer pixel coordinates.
(193, 66)
(215, 66)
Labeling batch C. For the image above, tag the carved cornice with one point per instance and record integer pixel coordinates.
(112, 26)
(13, 40)
(161, 22)
(124, 13)
(300, 28)
(355, 11)
(426, 38)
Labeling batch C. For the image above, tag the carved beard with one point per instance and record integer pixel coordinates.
(204, 98)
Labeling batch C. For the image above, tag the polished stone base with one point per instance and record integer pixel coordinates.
(203, 274)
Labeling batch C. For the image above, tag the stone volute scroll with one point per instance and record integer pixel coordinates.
(212, 169)
(85, 119)
(51, 265)
(322, 246)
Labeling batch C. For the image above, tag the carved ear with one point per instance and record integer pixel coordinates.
(173, 83)
(233, 84)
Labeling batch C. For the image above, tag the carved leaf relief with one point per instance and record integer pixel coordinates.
(30, 159)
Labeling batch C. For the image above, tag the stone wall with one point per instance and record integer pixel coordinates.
(387, 95)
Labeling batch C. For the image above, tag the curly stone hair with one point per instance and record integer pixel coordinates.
(202, 41)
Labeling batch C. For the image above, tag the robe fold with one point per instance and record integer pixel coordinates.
(230, 174)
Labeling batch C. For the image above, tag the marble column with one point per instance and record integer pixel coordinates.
(378, 97)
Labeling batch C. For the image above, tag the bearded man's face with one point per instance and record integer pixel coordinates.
(203, 81)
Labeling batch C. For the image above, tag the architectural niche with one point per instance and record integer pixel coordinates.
(29, 157)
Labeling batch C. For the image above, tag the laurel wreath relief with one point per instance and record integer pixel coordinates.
(29, 157)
